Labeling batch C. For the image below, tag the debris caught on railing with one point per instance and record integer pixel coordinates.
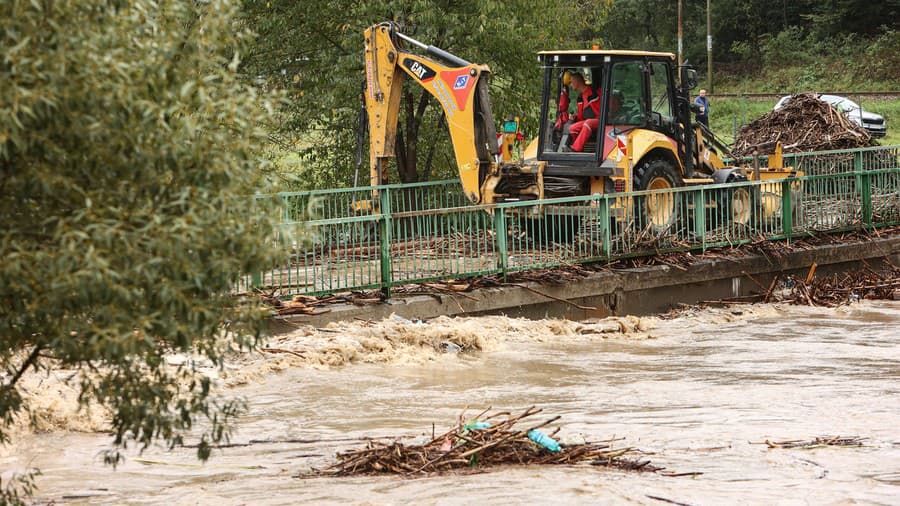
(883, 283)
(483, 441)
(456, 243)
(310, 305)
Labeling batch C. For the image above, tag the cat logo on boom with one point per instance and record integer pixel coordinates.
(419, 70)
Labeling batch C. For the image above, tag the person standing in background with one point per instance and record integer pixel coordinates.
(701, 115)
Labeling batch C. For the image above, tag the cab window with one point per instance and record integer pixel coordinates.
(564, 114)
(626, 90)
(660, 97)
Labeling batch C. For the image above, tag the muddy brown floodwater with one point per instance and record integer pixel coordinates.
(695, 392)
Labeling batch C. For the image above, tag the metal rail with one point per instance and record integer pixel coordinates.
(426, 232)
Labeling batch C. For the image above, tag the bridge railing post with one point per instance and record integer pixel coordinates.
(501, 232)
(864, 185)
(698, 197)
(605, 225)
(385, 229)
(787, 209)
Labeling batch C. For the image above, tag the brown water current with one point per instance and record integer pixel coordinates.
(696, 393)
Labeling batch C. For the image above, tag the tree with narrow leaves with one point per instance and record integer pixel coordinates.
(127, 142)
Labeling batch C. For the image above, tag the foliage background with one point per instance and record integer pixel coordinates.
(315, 50)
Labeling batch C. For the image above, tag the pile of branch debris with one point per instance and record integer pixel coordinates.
(803, 124)
(830, 291)
(871, 283)
(481, 442)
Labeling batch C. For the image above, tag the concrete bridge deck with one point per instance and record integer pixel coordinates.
(643, 290)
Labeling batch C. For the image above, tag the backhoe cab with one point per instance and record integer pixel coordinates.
(644, 138)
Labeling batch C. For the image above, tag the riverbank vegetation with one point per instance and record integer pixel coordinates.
(126, 134)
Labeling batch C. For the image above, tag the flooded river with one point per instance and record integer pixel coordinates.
(698, 393)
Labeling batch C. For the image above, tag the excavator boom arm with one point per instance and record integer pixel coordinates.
(461, 90)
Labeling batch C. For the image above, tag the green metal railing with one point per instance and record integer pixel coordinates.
(387, 236)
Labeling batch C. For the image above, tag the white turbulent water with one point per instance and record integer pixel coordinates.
(697, 395)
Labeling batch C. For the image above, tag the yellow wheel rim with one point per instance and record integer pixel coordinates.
(770, 203)
(660, 207)
(740, 206)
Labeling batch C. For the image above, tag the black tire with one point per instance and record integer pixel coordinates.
(735, 207)
(657, 212)
(552, 229)
(365, 232)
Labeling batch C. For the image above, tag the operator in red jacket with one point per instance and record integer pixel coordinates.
(587, 118)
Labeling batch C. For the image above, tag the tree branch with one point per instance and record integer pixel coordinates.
(424, 100)
(330, 40)
(426, 172)
(32, 358)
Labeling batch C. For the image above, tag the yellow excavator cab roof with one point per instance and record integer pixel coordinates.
(605, 52)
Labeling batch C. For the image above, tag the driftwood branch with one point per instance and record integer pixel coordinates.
(542, 294)
(31, 360)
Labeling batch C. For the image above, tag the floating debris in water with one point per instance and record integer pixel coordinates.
(483, 441)
(816, 443)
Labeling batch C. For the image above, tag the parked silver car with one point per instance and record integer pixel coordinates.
(873, 123)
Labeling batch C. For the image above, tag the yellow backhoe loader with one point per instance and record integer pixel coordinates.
(644, 140)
